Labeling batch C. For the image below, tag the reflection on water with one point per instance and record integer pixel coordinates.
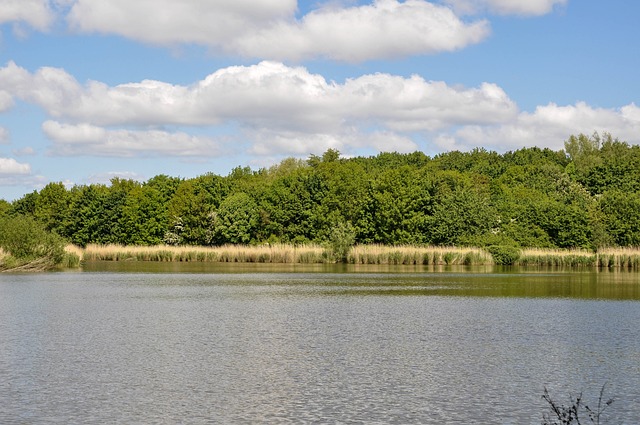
(486, 281)
(254, 344)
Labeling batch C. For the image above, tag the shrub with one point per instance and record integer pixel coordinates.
(341, 240)
(504, 255)
(26, 240)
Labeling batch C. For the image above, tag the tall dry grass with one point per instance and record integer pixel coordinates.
(279, 253)
(425, 255)
(628, 258)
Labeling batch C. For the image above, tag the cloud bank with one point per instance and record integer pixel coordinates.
(263, 29)
(277, 109)
(506, 7)
(270, 102)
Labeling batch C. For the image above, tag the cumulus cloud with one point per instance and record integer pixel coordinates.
(4, 136)
(25, 151)
(11, 167)
(383, 29)
(87, 139)
(6, 101)
(279, 109)
(105, 178)
(506, 7)
(548, 126)
(35, 13)
(267, 143)
(269, 29)
(268, 94)
(171, 22)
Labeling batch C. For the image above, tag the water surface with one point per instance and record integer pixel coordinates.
(254, 344)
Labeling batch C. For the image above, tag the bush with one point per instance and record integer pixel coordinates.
(26, 240)
(504, 255)
(341, 240)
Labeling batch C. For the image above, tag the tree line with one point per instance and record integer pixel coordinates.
(584, 196)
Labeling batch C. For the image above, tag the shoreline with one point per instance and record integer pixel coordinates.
(623, 258)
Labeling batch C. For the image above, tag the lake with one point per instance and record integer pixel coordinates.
(201, 343)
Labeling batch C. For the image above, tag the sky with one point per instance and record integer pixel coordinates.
(96, 89)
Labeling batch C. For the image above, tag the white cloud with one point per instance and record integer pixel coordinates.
(383, 29)
(87, 139)
(35, 13)
(278, 109)
(4, 136)
(267, 143)
(268, 94)
(506, 7)
(211, 22)
(26, 151)
(105, 178)
(550, 125)
(269, 29)
(10, 167)
(6, 101)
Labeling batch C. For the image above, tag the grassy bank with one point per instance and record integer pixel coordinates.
(69, 259)
(623, 258)
(429, 255)
(307, 254)
(360, 254)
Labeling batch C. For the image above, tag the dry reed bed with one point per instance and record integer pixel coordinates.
(224, 254)
(425, 255)
(360, 254)
(625, 258)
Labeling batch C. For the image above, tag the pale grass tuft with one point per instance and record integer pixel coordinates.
(425, 255)
(360, 254)
(605, 258)
(278, 253)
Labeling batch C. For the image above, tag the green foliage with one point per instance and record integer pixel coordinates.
(341, 240)
(236, 220)
(586, 196)
(462, 213)
(5, 207)
(621, 216)
(190, 215)
(27, 240)
(504, 255)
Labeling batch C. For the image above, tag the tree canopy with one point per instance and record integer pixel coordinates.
(585, 196)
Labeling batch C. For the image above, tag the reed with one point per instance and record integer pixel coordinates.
(624, 258)
(628, 258)
(72, 256)
(557, 258)
(279, 253)
(418, 255)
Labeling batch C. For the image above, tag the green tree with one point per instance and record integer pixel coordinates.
(190, 215)
(52, 207)
(5, 207)
(236, 220)
(341, 239)
(26, 240)
(144, 217)
(621, 217)
(85, 223)
(460, 215)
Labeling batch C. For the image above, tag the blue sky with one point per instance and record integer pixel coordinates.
(94, 89)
